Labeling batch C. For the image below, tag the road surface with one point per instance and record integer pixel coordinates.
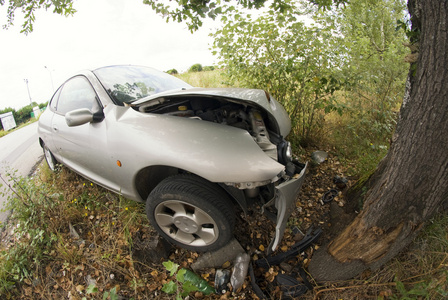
(19, 151)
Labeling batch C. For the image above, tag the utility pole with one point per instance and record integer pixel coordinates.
(51, 78)
(29, 95)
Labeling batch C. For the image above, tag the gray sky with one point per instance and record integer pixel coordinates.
(102, 32)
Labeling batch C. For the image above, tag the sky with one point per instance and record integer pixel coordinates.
(100, 33)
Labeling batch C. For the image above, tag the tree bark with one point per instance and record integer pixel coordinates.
(411, 183)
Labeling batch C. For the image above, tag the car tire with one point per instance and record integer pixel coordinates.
(191, 213)
(51, 161)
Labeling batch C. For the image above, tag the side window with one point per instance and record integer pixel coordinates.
(54, 99)
(77, 93)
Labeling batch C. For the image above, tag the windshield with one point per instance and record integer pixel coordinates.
(130, 83)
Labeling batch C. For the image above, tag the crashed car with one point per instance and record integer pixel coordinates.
(194, 155)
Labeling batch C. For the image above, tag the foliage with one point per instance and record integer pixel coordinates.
(172, 72)
(41, 245)
(172, 287)
(421, 273)
(376, 70)
(296, 63)
(376, 75)
(192, 12)
(195, 68)
(23, 115)
(33, 231)
(208, 68)
(29, 7)
(188, 11)
(349, 62)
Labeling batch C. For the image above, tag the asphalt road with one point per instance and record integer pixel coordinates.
(19, 152)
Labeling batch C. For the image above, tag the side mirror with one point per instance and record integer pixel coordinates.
(79, 117)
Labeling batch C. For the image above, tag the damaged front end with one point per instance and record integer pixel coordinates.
(246, 173)
(285, 201)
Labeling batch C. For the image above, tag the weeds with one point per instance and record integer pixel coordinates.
(64, 230)
(422, 271)
(42, 258)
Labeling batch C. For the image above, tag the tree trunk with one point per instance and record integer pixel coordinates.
(411, 183)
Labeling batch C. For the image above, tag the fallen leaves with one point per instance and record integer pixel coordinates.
(99, 258)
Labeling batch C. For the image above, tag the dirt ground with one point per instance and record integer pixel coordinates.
(122, 268)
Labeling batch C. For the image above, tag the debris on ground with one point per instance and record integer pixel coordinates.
(318, 157)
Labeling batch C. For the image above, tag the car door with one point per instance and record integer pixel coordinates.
(82, 148)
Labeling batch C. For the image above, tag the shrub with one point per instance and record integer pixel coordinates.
(172, 72)
(195, 68)
(208, 68)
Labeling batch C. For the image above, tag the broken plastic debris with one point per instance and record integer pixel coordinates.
(319, 156)
(222, 278)
(341, 182)
(290, 286)
(239, 271)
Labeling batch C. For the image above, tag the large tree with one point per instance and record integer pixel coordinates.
(411, 184)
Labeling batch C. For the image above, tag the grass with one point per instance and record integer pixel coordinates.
(63, 229)
(205, 79)
(68, 236)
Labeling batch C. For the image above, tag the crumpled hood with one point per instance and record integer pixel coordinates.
(240, 95)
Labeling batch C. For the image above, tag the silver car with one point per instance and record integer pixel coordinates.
(194, 155)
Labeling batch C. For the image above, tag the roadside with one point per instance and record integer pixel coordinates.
(20, 153)
(82, 241)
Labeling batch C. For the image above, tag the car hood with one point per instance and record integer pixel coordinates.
(255, 97)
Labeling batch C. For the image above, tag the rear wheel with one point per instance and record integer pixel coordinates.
(51, 161)
(192, 213)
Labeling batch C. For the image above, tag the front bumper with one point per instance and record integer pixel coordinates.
(285, 202)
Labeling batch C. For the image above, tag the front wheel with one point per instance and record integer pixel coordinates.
(192, 213)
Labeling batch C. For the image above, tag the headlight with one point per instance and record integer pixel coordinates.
(284, 152)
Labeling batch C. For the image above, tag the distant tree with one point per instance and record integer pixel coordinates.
(23, 115)
(172, 72)
(195, 68)
(208, 68)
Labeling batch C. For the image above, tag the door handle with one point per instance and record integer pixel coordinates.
(55, 128)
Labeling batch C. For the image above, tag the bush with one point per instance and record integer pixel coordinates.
(195, 68)
(172, 72)
(208, 68)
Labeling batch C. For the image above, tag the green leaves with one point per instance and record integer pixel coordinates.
(28, 8)
(187, 282)
(170, 287)
(170, 267)
(290, 59)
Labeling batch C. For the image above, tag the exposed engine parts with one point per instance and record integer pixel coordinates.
(223, 112)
